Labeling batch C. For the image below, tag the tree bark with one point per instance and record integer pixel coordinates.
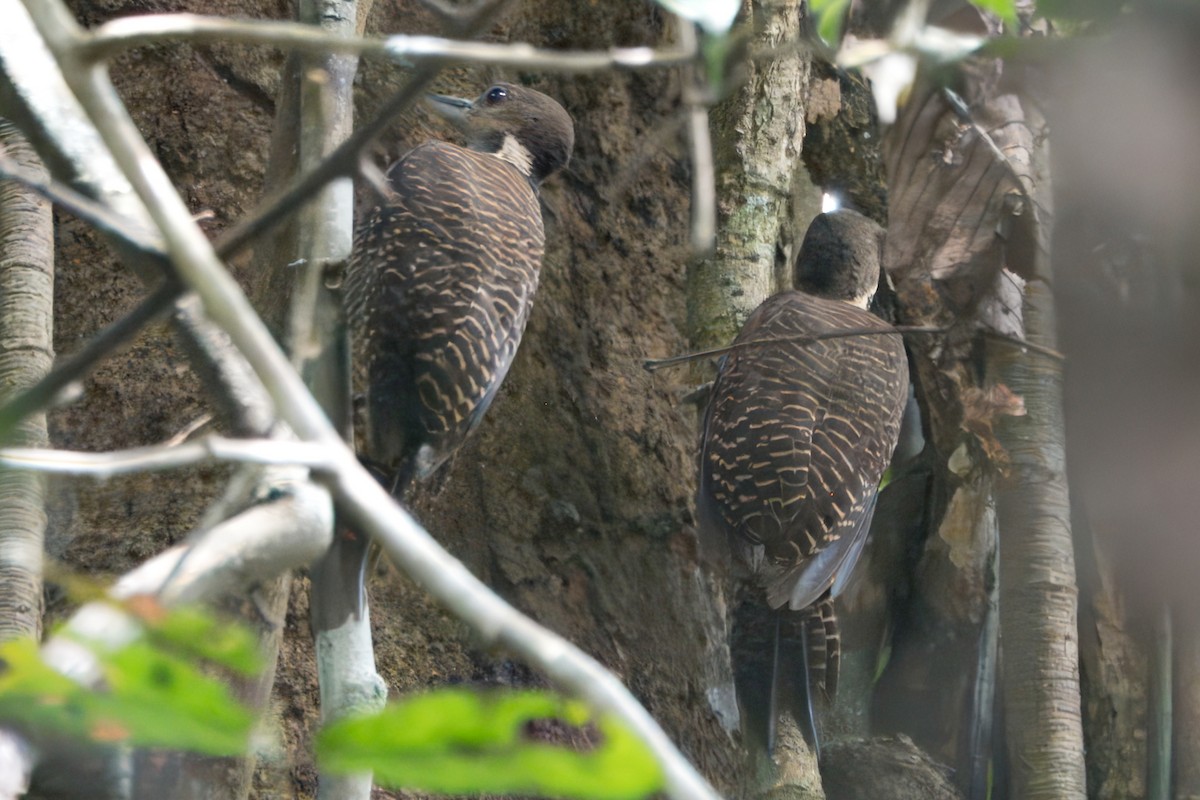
(758, 133)
(26, 355)
(1038, 623)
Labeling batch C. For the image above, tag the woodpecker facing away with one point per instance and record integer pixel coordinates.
(439, 288)
(798, 432)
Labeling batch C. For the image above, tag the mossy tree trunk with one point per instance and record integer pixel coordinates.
(758, 133)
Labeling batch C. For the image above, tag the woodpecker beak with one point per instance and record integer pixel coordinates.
(453, 109)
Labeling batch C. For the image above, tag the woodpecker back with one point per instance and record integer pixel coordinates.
(438, 290)
(442, 278)
(798, 431)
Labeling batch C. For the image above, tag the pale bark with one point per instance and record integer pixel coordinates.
(26, 355)
(1187, 712)
(1037, 577)
(1038, 586)
(969, 218)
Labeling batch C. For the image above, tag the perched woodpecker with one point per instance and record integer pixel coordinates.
(439, 288)
(799, 430)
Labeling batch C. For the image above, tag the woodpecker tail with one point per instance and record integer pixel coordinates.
(805, 663)
(339, 577)
(823, 640)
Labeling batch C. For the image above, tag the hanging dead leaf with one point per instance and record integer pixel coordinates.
(981, 407)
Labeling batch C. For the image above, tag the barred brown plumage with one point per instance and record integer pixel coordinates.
(439, 288)
(798, 432)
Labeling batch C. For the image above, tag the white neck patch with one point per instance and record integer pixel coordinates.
(516, 154)
(863, 300)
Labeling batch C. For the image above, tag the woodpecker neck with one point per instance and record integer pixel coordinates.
(864, 299)
(515, 153)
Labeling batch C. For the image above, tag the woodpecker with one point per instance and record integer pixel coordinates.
(798, 432)
(438, 289)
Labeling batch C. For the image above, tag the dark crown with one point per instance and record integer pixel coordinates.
(840, 257)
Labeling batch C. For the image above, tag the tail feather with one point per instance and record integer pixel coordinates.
(825, 646)
(778, 690)
(820, 649)
(805, 708)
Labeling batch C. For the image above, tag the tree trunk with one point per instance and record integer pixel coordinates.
(1038, 624)
(26, 355)
(761, 184)
(758, 133)
(969, 219)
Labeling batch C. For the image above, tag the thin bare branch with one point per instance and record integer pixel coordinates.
(126, 32)
(241, 552)
(704, 174)
(76, 367)
(704, 194)
(1023, 344)
(654, 364)
(206, 450)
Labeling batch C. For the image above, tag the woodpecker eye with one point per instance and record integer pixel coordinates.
(497, 94)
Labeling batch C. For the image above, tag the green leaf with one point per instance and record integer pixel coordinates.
(1004, 9)
(34, 695)
(198, 634)
(150, 698)
(829, 15)
(457, 741)
(164, 701)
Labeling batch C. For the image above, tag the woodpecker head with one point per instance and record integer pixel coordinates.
(840, 257)
(522, 126)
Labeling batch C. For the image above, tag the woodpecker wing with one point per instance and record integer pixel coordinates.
(796, 437)
(439, 289)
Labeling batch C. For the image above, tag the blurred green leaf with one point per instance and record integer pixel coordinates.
(149, 697)
(201, 635)
(33, 695)
(165, 701)
(1004, 9)
(829, 15)
(458, 741)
